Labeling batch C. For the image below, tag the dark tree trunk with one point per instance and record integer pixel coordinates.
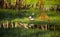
(1, 3)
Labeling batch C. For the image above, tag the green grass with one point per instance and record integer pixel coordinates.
(22, 16)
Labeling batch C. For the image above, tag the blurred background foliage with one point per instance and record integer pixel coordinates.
(15, 14)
